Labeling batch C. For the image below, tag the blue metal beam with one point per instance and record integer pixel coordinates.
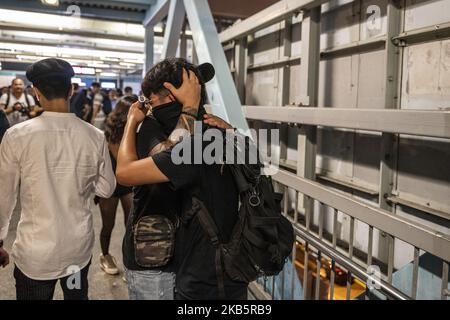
(222, 92)
(174, 25)
(156, 13)
(149, 42)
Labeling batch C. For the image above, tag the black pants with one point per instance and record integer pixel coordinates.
(30, 289)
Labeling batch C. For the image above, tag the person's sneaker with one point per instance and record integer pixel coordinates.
(108, 264)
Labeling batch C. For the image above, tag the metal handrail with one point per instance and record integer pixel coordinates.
(415, 122)
(402, 228)
(348, 264)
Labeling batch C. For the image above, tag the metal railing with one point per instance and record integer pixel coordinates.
(315, 246)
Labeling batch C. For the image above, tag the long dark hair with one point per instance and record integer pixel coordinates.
(116, 120)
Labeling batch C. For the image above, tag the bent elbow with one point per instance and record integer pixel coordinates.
(123, 178)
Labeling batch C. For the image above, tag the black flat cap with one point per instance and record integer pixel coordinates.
(49, 68)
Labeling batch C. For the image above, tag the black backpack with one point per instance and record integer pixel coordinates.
(262, 237)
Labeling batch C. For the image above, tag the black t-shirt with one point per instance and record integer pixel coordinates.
(77, 103)
(195, 255)
(148, 199)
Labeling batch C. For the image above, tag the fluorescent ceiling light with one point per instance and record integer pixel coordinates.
(33, 35)
(51, 2)
(118, 43)
(74, 39)
(99, 65)
(26, 57)
(108, 74)
(32, 57)
(78, 64)
(108, 85)
(133, 61)
(127, 64)
(39, 19)
(61, 22)
(46, 50)
(84, 70)
(109, 59)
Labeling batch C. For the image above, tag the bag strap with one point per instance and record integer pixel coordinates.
(210, 227)
(27, 100)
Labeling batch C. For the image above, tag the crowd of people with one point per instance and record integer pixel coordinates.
(66, 145)
(92, 104)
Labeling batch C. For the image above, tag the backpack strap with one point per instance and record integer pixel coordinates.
(27, 100)
(210, 227)
(8, 98)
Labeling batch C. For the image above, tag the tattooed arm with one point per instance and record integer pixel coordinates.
(185, 126)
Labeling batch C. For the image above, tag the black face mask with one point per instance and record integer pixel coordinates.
(167, 115)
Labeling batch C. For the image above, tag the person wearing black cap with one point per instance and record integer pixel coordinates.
(175, 95)
(58, 161)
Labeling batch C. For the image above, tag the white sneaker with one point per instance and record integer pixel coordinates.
(108, 264)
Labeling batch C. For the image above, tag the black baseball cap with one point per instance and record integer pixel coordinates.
(49, 68)
(206, 71)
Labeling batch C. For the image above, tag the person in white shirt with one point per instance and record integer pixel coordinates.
(17, 104)
(98, 115)
(55, 162)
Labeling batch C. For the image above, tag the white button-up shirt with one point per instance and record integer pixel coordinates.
(58, 161)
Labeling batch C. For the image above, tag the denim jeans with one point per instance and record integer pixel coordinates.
(150, 284)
